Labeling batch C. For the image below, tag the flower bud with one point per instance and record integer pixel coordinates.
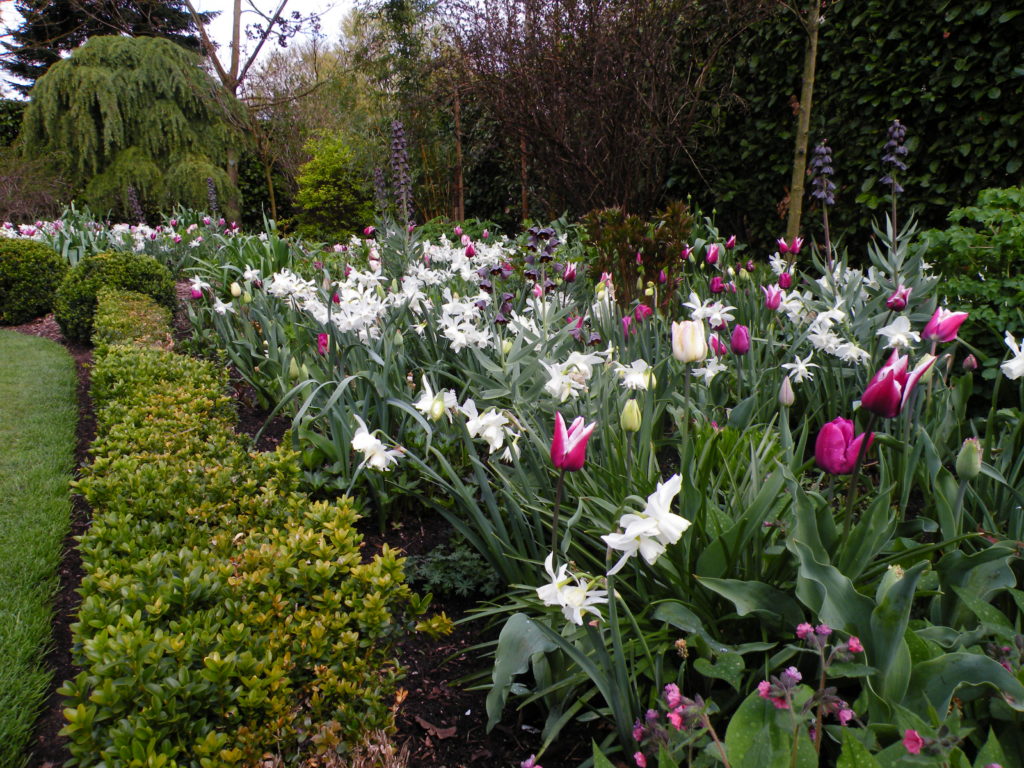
(786, 395)
(631, 418)
(970, 363)
(398, 339)
(236, 290)
(688, 342)
(293, 369)
(506, 347)
(247, 298)
(437, 407)
(968, 461)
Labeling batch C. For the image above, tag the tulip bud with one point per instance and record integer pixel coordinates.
(506, 346)
(970, 363)
(968, 461)
(688, 342)
(717, 285)
(398, 339)
(785, 281)
(740, 340)
(247, 298)
(631, 418)
(786, 395)
(236, 290)
(293, 369)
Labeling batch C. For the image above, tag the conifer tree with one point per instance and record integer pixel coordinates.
(139, 113)
(52, 27)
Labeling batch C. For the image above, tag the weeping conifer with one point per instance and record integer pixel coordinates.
(141, 112)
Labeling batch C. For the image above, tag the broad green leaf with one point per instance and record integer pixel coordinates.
(884, 644)
(829, 595)
(729, 667)
(934, 682)
(760, 736)
(600, 761)
(855, 754)
(986, 612)
(519, 640)
(678, 615)
(757, 598)
(991, 752)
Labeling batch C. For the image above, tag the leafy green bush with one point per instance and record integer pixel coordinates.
(75, 304)
(224, 614)
(29, 275)
(334, 198)
(127, 317)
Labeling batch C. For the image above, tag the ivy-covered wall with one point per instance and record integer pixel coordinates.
(952, 72)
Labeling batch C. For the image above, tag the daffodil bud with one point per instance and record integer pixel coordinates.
(247, 298)
(236, 290)
(649, 292)
(293, 369)
(631, 418)
(506, 347)
(399, 339)
(786, 395)
(968, 461)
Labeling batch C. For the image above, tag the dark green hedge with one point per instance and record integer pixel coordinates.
(952, 72)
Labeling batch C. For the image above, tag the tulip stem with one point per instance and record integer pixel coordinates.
(554, 515)
(851, 495)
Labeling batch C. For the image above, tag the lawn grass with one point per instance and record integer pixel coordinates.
(38, 414)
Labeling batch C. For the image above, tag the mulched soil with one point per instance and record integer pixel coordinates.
(440, 723)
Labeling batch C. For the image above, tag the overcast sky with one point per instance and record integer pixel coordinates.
(332, 12)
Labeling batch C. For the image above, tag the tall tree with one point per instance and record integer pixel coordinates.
(52, 28)
(139, 114)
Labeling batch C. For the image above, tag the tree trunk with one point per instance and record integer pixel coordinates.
(267, 173)
(803, 129)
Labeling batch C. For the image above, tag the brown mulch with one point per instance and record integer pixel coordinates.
(439, 723)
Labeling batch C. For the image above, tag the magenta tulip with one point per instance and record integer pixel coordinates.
(470, 251)
(836, 449)
(772, 296)
(717, 285)
(711, 254)
(943, 326)
(716, 345)
(890, 388)
(782, 245)
(569, 446)
(785, 281)
(898, 301)
(740, 341)
(322, 342)
(731, 242)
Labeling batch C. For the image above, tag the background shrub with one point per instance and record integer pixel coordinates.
(75, 304)
(128, 317)
(29, 275)
(333, 196)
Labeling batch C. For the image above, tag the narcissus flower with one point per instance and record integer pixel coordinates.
(1014, 367)
(836, 448)
(570, 592)
(651, 531)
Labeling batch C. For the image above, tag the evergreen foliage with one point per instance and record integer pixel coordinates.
(11, 111)
(334, 197)
(75, 304)
(29, 274)
(951, 72)
(50, 27)
(136, 112)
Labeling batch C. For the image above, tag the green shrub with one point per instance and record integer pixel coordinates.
(75, 304)
(224, 615)
(127, 317)
(334, 198)
(29, 275)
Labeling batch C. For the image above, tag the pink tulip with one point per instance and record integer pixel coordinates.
(943, 326)
(470, 251)
(369, 231)
(716, 345)
(716, 285)
(686, 253)
(569, 446)
(322, 340)
(662, 277)
(970, 363)
(836, 449)
(711, 254)
(731, 242)
(890, 388)
(569, 275)
(772, 296)
(796, 245)
(785, 281)
(740, 341)
(639, 259)
(642, 312)
(898, 301)
(485, 234)
(466, 240)
(458, 231)
(782, 245)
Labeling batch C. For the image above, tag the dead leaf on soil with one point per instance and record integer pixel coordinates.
(433, 730)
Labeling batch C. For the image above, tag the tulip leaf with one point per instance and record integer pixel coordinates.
(757, 598)
(600, 761)
(986, 612)
(934, 682)
(868, 537)
(991, 752)
(679, 616)
(518, 641)
(829, 594)
(739, 416)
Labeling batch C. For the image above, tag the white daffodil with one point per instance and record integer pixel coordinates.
(800, 370)
(568, 592)
(375, 453)
(250, 274)
(899, 333)
(849, 352)
(653, 530)
(637, 375)
(220, 307)
(434, 406)
(712, 367)
(491, 426)
(1013, 368)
